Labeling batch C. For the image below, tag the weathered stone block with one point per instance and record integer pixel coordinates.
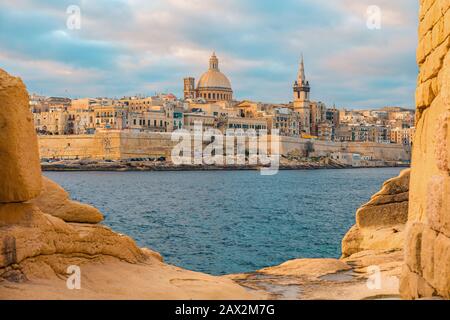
(433, 63)
(447, 23)
(20, 172)
(424, 94)
(427, 247)
(413, 247)
(445, 212)
(435, 194)
(425, 5)
(384, 215)
(413, 286)
(437, 34)
(444, 5)
(432, 15)
(427, 255)
(442, 265)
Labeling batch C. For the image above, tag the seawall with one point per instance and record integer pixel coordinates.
(119, 145)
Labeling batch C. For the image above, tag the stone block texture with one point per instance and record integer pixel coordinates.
(427, 243)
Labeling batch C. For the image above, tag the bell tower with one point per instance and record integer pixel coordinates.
(301, 98)
(189, 88)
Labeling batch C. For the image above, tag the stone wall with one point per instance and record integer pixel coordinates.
(98, 146)
(110, 144)
(427, 250)
(124, 145)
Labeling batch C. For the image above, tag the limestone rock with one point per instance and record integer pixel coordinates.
(390, 214)
(441, 267)
(351, 243)
(380, 222)
(414, 286)
(36, 250)
(383, 238)
(55, 200)
(308, 267)
(328, 279)
(20, 173)
(396, 185)
(109, 278)
(26, 232)
(389, 206)
(427, 247)
(153, 254)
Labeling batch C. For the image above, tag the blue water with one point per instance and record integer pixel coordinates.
(229, 221)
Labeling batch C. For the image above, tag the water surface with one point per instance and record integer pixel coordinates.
(229, 221)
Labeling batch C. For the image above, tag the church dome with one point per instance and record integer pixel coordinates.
(213, 78)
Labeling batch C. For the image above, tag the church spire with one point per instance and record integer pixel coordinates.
(301, 72)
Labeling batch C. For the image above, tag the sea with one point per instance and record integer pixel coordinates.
(223, 222)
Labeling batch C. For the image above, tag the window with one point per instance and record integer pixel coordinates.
(134, 121)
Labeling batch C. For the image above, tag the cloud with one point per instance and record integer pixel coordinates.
(136, 46)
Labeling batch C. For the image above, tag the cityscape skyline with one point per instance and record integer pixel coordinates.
(347, 63)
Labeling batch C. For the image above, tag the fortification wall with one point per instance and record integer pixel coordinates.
(125, 145)
(380, 151)
(97, 146)
(141, 145)
(427, 249)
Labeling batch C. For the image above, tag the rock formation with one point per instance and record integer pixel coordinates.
(20, 173)
(380, 222)
(427, 250)
(55, 200)
(43, 232)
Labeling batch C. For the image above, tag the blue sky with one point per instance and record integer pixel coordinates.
(127, 47)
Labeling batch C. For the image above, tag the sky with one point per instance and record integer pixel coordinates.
(128, 47)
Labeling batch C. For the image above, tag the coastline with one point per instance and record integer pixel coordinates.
(140, 166)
